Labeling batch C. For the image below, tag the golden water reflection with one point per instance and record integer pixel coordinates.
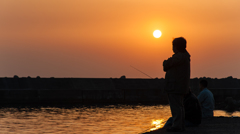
(226, 114)
(156, 124)
(117, 119)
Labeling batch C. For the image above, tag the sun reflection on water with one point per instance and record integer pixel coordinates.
(156, 124)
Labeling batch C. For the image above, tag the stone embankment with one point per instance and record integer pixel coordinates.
(102, 90)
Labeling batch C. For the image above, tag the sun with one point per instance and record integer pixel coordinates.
(157, 33)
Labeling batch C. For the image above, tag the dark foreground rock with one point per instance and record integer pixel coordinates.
(216, 125)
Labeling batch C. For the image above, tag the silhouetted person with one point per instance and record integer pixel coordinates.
(177, 79)
(193, 112)
(206, 100)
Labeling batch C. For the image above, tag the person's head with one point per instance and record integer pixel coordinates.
(179, 45)
(203, 84)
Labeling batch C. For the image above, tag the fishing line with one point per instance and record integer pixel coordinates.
(141, 71)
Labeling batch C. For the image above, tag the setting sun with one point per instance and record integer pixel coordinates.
(157, 33)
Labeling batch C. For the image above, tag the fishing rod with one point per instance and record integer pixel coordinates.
(141, 72)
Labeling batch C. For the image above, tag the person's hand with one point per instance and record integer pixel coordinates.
(164, 62)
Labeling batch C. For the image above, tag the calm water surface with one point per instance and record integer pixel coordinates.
(113, 119)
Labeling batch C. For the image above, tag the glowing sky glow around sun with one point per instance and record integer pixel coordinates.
(100, 39)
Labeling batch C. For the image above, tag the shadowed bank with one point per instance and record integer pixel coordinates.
(216, 125)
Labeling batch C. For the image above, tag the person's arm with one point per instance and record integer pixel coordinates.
(201, 97)
(175, 60)
(164, 65)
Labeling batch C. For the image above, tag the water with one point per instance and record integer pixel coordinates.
(117, 119)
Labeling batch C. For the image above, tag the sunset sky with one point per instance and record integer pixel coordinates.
(104, 38)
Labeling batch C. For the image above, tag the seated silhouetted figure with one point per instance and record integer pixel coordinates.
(206, 100)
(193, 113)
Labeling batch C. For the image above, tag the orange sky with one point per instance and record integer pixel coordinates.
(102, 38)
